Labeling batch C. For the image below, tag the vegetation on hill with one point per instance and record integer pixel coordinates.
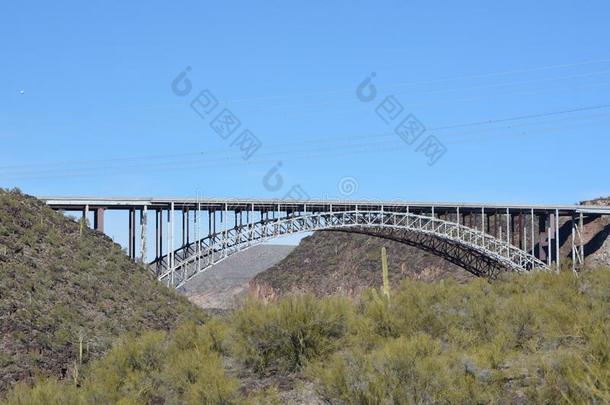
(347, 263)
(540, 338)
(66, 292)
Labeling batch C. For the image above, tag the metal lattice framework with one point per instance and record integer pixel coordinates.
(476, 251)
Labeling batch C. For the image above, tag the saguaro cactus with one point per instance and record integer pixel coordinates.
(384, 269)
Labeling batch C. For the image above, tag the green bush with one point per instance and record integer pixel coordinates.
(410, 370)
(537, 338)
(49, 392)
(285, 336)
(154, 367)
(543, 336)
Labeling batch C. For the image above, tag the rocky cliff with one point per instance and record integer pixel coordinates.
(346, 263)
(597, 236)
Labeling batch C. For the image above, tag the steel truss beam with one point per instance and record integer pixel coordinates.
(476, 251)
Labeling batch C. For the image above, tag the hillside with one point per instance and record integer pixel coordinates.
(345, 263)
(60, 285)
(226, 283)
(597, 236)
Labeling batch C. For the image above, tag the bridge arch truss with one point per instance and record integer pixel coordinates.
(478, 252)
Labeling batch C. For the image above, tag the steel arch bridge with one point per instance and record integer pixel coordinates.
(485, 239)
(476, 251)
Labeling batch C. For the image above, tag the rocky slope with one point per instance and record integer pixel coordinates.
(597, 236)
(66, 289)
(345, 263)
(224, 285)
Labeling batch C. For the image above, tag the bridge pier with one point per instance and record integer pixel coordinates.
(186, 231)
(144, 234)
(532, 234)
(132, 234)
(86, 213)
(578, 246)
(520, 230)
(508, 222)
(550, 252)
(98, 219)
(542, 242)
(557, 247)
(552, 225)
(158, 233)
(170, 242)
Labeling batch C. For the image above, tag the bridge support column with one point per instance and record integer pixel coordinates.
(143, 234)
(98, 219)
(513, 230)
(457, 218)
(542, 242)
(210, 222)
(577, 259)
(197, 220)
(532, 235)
(85, 214)
(132, 233)
(186, 231)
(581, 240)
(578, 246)
(550, 240)
(170, 240)
(521, 233)
(508, 234)
(250, 219)
(557, 247)
(225, 229)
(158, 233)
(488, 223)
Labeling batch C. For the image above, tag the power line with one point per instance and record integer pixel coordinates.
(327, 103)
(360, 150)
(443, 80)
(325, 146)
(521, 117)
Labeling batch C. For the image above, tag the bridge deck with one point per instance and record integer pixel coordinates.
(78, 203)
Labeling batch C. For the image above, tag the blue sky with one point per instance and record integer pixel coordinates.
(97, 115)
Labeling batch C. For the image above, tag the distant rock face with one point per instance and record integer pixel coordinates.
(347, 263)
(601, 201)
(597, 236)
(224, 285)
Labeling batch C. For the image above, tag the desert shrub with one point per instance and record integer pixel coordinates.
(286, 335)
(182, 366)
(49, 392)
(537, 338)
(403, 371)
(154, 367)
(543, 336)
